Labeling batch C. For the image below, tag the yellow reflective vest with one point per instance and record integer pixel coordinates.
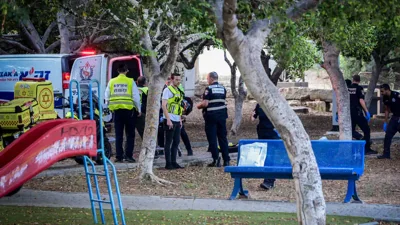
(174, 103)
(144, 90)
(121, 93)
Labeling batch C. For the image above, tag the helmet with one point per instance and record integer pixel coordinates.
(187, 105)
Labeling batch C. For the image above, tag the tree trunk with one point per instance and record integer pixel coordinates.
(239, 99)
(306, 176)
(239, 96)
(157, 80)
(64, 32)
(331, 65)
(377, 69)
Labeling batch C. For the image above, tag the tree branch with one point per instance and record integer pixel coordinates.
(227, 60)
(218, 12)
(386, 62)
(29, 37)
(48, 31)
(57, 43)
(259, 31)
(146, 43)
(230, 29)
(3, 52)
(297, 10)
(18, 45)
(171, 59)
(190, 64)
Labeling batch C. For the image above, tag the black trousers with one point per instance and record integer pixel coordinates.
(357, 118)
(124, 120)
(216, 129)
(267, 134)
(140, 124)
(161, 135)
(172, 138)
(392, 128)
(185, 139)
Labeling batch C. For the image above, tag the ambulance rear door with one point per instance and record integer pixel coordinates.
(86, 69)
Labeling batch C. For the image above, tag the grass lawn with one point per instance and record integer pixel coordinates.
(43, 216)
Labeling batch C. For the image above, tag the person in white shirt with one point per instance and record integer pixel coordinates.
(172, 110)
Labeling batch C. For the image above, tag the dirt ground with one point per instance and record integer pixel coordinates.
(379, 184)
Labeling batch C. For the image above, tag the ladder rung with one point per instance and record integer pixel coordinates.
(96, 200)
(97, 174)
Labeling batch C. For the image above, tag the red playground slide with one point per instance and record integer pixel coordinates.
(42, 146)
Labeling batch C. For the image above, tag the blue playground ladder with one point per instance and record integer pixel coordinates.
(106, 161)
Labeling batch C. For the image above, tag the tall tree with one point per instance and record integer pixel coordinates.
(310, 200)
(385, 21)
(160, 27)
(335, 30)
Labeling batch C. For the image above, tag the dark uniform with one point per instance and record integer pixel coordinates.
(140, 124)
(215, 116)
(357, 115)
(355, 134)
(265, 130)
(393, 103)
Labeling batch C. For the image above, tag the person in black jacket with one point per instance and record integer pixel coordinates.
(357, 110)
(391, 100)
(265, 130)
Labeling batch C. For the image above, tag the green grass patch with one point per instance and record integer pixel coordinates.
(70, 216)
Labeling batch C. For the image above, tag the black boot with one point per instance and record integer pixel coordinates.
(177, 166)
(169, 166)
(215, 163)
(368, 150)
(226, 163)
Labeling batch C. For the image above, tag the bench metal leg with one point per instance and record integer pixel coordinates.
(352, 192)
(236, 188)
(242, 191)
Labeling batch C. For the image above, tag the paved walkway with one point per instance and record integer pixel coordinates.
(28, 197)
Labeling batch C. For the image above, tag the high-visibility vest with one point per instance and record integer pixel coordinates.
(121, 93)
(181, 88)
(144, 90)
(174, 103)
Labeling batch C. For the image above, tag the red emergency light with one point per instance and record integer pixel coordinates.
(65, 79)
(88, 52)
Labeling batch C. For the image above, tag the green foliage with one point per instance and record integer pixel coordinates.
(291, 50)
(350, 66)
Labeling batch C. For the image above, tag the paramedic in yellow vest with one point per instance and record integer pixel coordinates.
(143, 91)
(122, 98)
(172, 110)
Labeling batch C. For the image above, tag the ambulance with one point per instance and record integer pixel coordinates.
(60, 69)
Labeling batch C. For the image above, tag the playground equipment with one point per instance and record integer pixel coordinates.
(105, 163)
(85, 107)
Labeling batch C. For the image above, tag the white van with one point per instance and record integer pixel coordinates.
(60, 69)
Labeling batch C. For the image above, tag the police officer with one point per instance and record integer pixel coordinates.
(122, 98)
(357, 105)
(355, 134)
(143, 91)
(215, 114)
(391, 99)
(172, 110)
(265, 130)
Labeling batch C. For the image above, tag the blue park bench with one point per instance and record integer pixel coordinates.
(337, 160)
